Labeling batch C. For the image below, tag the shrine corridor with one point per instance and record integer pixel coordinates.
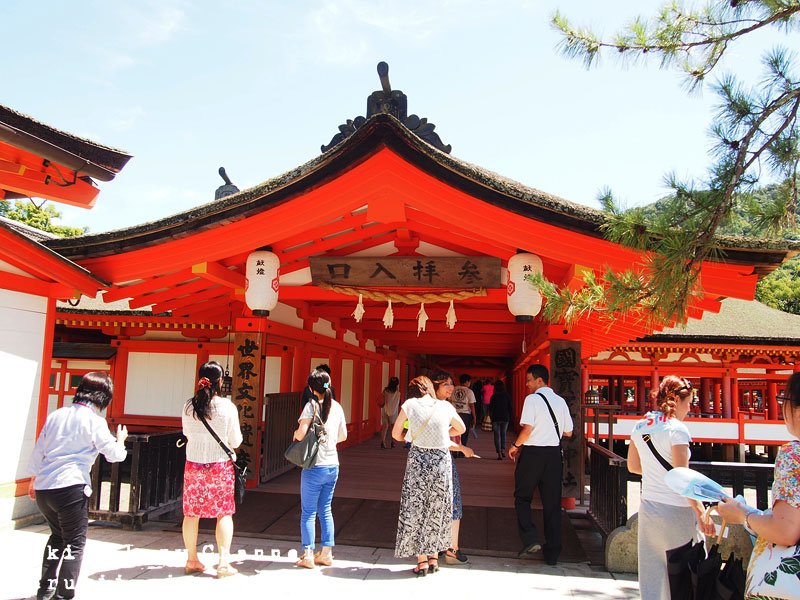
(366, 504)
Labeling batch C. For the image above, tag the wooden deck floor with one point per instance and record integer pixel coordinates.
(368, 472)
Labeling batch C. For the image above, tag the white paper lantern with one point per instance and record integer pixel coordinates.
(524, 300)
(261, 291)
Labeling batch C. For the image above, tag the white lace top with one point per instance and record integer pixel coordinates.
(429, 422)
(200, 446)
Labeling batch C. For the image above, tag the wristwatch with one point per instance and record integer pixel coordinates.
(515, 446)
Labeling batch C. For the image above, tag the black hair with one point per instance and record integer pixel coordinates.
(393, 384)
(200, 403)
(320, 381)
(464, 378)
(499, 387)
(537, 371)
(95, 388)
(323, 367)
(440, 377)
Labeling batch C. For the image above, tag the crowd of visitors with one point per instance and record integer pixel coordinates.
(434, 422)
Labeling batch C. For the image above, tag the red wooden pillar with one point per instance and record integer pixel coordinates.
(47, 362)
(705, 395)
(717, 397)
(641, 395)
(287, 362)
(301, 367)
(734, 398)
(654, 382)
(726, 395)
(772, 400)
(612, 392)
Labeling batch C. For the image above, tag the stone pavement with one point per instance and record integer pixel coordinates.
(149, 564)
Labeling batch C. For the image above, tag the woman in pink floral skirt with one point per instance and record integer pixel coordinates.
(208, 478)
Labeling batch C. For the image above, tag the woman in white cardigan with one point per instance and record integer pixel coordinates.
(208, 479)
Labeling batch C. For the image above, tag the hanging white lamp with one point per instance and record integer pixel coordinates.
(262, 272)
(524, 300)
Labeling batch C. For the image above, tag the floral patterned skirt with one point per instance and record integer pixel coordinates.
(208, 489)
(426, 503)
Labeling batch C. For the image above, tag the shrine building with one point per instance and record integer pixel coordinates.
(382, 256)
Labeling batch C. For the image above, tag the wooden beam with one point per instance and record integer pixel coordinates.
(216, 273)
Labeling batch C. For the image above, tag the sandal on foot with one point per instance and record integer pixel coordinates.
(421, 569)
(433, 565)
(307, 562)
(323, 561)
(225, 571)
(194, 566)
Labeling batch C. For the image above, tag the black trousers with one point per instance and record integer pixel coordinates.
(67, 512)
(467, 418)
(539, 467)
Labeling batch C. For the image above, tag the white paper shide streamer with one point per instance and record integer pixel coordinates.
(358, 313)
(388, 316)
(450, 317)
(422, 318)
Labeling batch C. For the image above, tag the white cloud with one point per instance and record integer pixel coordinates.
(154, 22)
(341, 31)
(115, 61)
(126, 118)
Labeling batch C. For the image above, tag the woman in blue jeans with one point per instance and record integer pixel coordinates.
(318, 482)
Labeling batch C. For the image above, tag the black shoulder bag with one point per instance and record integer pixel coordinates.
(240, 472)
(303, 453)
(555, 423)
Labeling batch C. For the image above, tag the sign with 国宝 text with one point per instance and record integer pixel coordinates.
(565, 379)
(466, 272)
(246, 392)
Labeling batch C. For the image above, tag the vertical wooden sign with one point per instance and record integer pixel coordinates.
(565, 379)
(248, 350)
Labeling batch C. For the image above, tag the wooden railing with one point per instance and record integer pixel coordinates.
(608, 480)
(148, 482)
(280, 421)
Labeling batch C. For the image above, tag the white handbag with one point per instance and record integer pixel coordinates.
(774, 571)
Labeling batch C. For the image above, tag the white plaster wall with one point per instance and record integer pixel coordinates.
(350, 338)
(366, 391)
(345, 395)
(323, 327)
(370, 345)
(158, 383)
(384, 374)
(22, 331)
(283, 313)
(272, 376)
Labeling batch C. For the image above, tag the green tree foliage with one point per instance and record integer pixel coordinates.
(781, 289)
(755, 132)
(40, 217)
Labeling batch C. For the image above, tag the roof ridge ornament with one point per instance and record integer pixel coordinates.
(225, 190)
(390, 102)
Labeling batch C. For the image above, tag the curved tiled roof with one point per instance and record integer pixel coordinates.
(380, 131)
(106, 157)
(737, 321)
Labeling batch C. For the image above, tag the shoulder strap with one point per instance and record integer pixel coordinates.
(648, 440)
(552, 414)
(213, 433)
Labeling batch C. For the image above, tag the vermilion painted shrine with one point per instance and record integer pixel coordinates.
(151, 302)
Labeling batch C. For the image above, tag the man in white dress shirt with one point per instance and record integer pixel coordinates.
(537, 452)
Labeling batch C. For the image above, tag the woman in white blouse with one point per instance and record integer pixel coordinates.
(426, 500)
(208, 478)
(318, 482)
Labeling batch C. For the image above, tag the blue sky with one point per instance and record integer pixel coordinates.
(257, 86)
